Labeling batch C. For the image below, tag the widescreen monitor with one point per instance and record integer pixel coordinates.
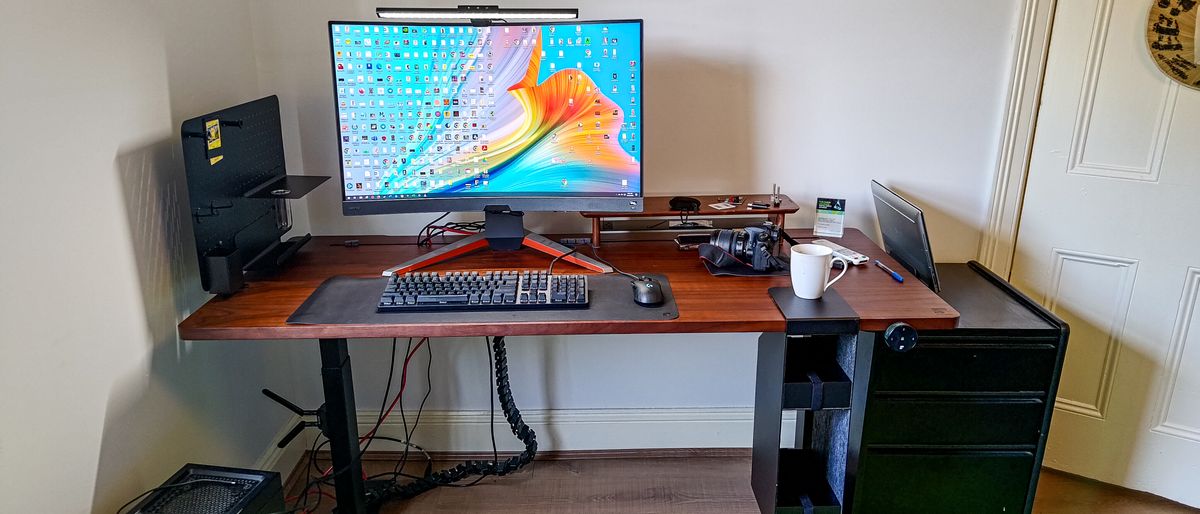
(541, 117)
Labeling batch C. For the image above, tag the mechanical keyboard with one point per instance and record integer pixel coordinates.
(483, 291)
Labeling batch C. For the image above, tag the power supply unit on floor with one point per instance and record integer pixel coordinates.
(201, 489)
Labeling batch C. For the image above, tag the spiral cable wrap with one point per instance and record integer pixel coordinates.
(397, 491)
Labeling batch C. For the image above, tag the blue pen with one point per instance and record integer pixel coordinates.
(889, 271)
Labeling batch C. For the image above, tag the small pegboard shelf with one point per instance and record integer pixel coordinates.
(238, 188)
(290, 187)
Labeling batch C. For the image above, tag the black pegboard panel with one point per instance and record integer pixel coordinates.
(251, 154)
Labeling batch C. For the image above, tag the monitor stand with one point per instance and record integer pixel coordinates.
(504, 230)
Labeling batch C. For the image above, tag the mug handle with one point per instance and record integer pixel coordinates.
(845, 267)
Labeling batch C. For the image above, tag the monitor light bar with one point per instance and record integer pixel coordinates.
(474, 12)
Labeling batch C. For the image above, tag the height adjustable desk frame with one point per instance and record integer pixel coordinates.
(706, 304)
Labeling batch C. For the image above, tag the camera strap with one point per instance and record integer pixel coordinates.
(719, 257)
(791, 240)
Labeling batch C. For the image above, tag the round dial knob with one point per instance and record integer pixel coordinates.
(900, 337)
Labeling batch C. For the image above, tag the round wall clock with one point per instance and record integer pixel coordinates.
(1171, 33)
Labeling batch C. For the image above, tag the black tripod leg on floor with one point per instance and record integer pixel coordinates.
(341, 427)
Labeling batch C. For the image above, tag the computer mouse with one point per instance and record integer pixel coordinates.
(647, 292)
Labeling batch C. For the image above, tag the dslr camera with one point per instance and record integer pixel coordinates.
(754, 245)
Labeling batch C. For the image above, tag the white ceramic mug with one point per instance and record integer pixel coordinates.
(810, 270)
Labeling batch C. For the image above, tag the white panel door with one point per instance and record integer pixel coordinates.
(1110, 241)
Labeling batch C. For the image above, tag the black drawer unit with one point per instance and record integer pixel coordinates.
(954, 421)
(957, 423)
(965, 365)
(903, 482)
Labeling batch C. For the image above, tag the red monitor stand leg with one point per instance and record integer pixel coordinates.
(479, 241)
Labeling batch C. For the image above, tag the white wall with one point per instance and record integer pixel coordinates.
(100, 399)
(819, 97)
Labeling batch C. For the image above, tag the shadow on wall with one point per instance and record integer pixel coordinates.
(700, 139)
(196, 400)
(187, 402)
(146, 417)
(156, 422)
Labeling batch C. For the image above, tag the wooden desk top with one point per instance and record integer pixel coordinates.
(661, 206)
(706, 303)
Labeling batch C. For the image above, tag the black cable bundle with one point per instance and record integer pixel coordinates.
(396, 491)
(432, 229)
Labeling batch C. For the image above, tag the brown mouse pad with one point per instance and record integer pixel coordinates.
(352, 300)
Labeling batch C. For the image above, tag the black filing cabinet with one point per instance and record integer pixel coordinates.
(956, 424)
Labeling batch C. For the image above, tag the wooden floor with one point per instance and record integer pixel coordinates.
(684, 484)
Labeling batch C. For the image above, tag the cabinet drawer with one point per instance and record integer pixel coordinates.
(964, 368)
(949, 482)
(953, 421)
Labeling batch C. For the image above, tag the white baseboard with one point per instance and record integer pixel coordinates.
(283, 460)
(580, 429)
(562, 429)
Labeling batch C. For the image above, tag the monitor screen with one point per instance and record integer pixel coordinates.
(456, 117)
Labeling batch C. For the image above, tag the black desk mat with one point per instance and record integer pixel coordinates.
(352, 301)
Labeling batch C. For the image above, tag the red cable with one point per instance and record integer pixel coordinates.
(395, 400)
(400, 393)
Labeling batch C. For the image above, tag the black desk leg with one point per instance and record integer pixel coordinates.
(768, 416)
(341, 427)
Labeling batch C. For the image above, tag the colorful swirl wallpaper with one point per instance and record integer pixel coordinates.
(450, 111)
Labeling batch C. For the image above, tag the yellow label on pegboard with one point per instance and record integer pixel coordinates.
(212, 130)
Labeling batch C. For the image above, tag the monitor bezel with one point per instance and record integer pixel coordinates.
(544, 203)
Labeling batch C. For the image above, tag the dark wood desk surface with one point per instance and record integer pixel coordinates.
(706, 303)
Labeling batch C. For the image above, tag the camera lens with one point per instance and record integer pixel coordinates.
(722, 239)
(752, 245)
(739, 243)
